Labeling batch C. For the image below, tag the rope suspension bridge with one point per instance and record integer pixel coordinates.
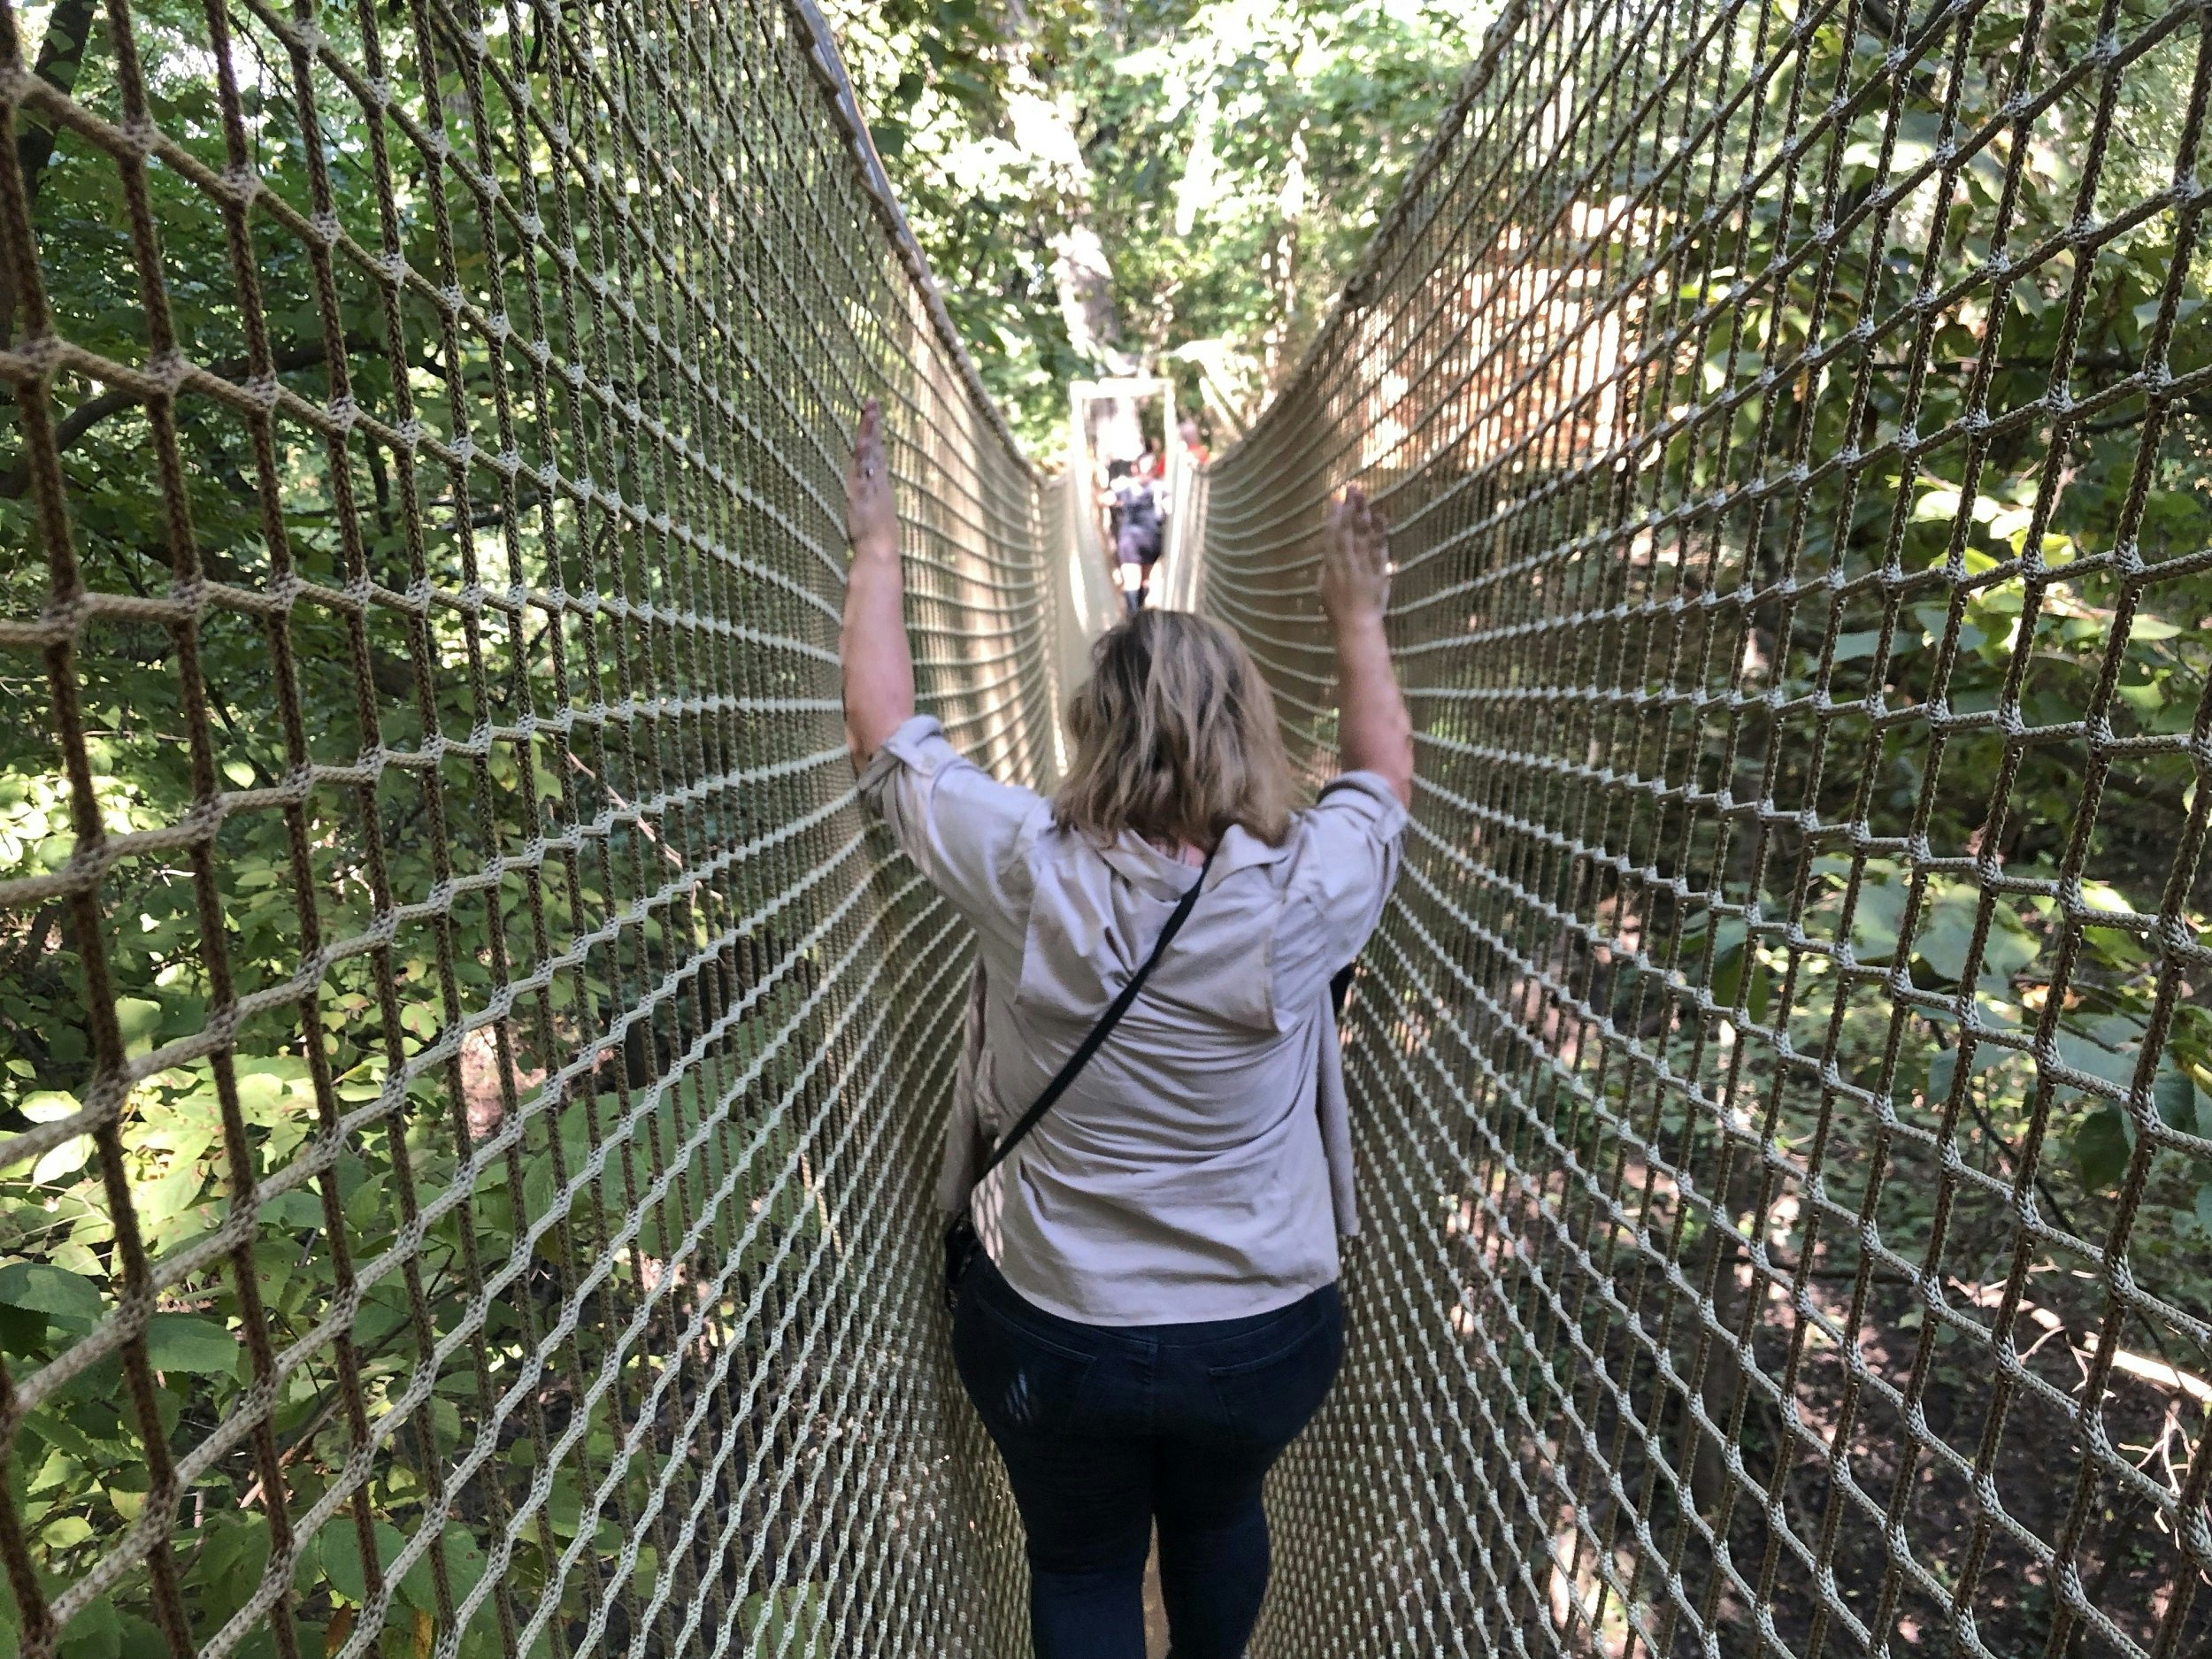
(477, 1072)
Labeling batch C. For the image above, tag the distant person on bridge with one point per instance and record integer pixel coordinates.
(1153, 1314)
(1138, 536)
(1194, 442)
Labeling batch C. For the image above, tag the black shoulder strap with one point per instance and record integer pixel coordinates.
(1341, 982)
(1099, 1032)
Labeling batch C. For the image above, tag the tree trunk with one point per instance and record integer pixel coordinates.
(1086, 283)
(60, 56)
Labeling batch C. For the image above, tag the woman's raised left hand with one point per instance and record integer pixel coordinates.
(1356, 560)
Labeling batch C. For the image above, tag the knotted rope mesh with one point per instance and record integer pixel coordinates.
(477, 1126)
(477, 1076)
(1779, 1077)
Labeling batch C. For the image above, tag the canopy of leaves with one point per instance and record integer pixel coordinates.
(1232, 156)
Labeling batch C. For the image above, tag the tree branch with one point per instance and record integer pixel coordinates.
(73, 425)
(60, 56)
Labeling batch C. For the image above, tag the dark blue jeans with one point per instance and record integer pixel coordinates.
(1105, 1428)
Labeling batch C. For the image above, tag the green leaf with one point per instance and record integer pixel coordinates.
(232, 1560)
(2101, 1145)
(160, 1202)
(340, 1554)
(2009, 949)
(2181, 1105)
(141, 1021)
(365, 1204)
(2085, 1054)
(64, 1160)
(785, 1621)
(307, 1564)
(21, 1329)
(341, 1550)
(1851, 646)
(464, 1560)
(1732, 956)
(383, 1310)
(1937, 506)
(1947, 934)
(56, 1428)
(565, 1504)
(1945, 1066)
(52, 1291)
(295, 1212)
(49, 1105)
(1876, 918)
(95, 1633)
(185, 1342)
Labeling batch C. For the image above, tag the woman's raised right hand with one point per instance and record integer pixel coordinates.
(871, 518)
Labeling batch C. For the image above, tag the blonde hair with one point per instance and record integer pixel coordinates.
(1175, 738)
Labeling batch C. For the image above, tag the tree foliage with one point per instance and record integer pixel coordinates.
(398, 1200)
(1232, 155)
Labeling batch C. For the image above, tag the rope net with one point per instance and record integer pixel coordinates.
(1778, 1078)
(475, 1076)
(469, 1200)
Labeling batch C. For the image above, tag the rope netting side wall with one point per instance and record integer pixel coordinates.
(474, 1068)
(1781, 1077)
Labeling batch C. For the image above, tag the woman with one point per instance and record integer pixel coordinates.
(1156, 1314)
(1138, 536)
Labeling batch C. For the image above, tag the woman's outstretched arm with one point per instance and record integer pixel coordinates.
(879, 664)
(1374, 732)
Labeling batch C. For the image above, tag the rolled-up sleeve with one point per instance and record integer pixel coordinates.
(961, 826)
(1346, 861)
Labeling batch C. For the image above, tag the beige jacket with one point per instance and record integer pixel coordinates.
(1200, 1168)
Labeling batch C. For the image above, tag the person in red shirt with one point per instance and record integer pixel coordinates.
(1193, 444)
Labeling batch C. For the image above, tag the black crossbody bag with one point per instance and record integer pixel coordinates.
(961, 1242)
